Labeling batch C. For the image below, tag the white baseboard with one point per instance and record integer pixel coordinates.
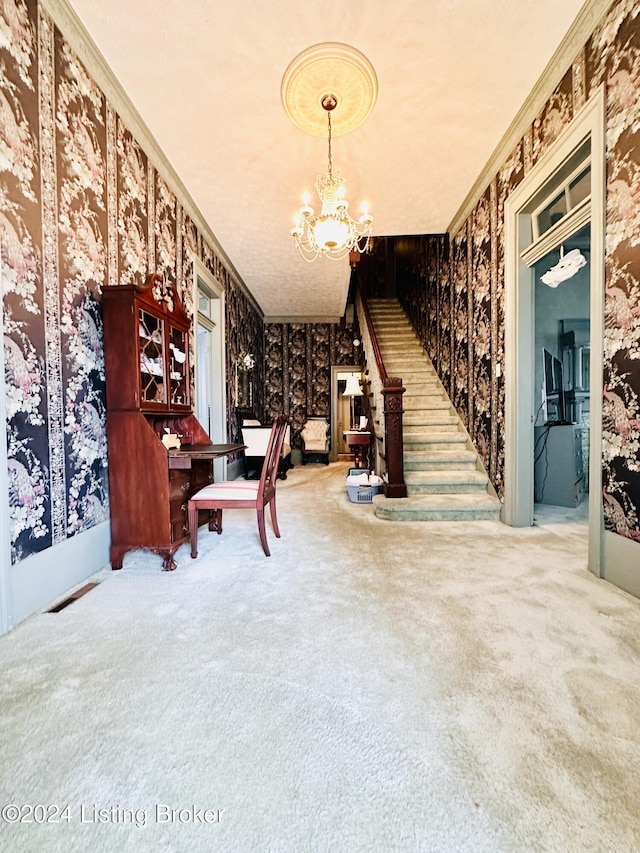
(622, 562)
(42, 579)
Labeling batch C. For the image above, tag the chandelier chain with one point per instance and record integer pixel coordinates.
(333, 233)
(330, 161)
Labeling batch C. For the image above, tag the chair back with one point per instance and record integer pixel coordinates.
(268, 477)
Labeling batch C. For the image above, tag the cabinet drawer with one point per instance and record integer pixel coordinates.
(179, 484)
(201, 474)
(179, 528)
(178, 509)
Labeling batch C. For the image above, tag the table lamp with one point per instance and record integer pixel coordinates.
(352, 389)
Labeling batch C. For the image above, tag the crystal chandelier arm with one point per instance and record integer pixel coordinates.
(333, 233)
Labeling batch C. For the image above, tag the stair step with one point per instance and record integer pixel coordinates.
(428, 405)
(416, 372)
(437, 422)
(437, 460)
(426, 416)
(413, 424)
(426, 439)
(445, 482)
(422, 389)
(441, 473)
(448, 507)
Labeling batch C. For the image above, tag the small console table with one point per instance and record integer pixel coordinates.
(355, 440)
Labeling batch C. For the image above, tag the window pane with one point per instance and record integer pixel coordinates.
(580, 188)
(552, 213)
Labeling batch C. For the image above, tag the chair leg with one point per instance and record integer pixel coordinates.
(215, 520)
(193, 529)
(263, 532)
(274, 518)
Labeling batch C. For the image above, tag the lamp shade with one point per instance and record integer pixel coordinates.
(352, 388)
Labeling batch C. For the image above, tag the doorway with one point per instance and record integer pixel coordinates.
(342, 410)
(210, 362)
(562, 372)
(522, 397)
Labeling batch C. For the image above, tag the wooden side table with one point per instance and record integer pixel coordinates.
(355, 440)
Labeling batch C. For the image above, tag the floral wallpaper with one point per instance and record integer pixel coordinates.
(298, 359)
(81, 206)
(467, 294)
(613, 57)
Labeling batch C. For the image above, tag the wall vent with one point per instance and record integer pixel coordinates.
(71, 598)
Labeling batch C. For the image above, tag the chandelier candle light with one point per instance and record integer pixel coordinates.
(333, 233)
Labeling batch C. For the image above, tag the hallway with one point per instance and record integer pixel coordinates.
(370, 687)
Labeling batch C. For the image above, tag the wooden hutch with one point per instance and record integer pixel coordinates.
(148, 376)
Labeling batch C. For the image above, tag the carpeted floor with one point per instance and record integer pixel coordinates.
(369, 687)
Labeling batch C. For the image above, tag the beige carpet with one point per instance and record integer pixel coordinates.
(370, 687)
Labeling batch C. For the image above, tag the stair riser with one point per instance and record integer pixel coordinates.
(451, 441)
(429, 423)
(417, 403)
(438, 515)
(446, 489)
(410, 465)
(415, 419)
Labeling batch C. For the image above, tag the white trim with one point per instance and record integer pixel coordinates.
(574, 41)
(35, 585)
(519, 395)
(563, 189)
(336, 439)
(561, 231)
(621, 559)
(217, 320)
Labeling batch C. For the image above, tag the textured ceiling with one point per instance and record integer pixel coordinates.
(205, 76)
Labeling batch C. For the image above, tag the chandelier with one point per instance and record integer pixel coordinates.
(333, 233)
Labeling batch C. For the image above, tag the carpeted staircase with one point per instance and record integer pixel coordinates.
(444, 477)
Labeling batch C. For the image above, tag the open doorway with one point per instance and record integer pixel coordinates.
(562, 374)
(345, 409)
(557, 169)
(210, 363)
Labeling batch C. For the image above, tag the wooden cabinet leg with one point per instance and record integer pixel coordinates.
(169, 564)
(117, 557)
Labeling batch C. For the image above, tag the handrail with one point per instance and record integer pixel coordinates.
(387, 392)
(382, 370)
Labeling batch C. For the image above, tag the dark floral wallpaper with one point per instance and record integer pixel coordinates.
(298, 359)
(81, 206)
(467, 294)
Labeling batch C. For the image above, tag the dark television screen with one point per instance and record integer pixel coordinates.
(553, 387)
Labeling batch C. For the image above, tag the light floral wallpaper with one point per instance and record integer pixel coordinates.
(81, 206)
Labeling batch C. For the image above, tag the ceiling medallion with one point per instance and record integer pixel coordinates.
(329, 67)
(336, 84)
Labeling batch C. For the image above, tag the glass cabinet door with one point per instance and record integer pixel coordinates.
(178, 368)
(151, 346)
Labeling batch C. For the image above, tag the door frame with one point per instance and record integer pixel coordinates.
(588, 123)
(218, 350)
(335, 437)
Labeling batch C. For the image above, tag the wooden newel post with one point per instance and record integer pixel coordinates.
(395, 486)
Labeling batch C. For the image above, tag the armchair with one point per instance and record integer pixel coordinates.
(315, 440)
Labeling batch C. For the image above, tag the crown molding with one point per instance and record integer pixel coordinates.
(79, 39)
(577, 36)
